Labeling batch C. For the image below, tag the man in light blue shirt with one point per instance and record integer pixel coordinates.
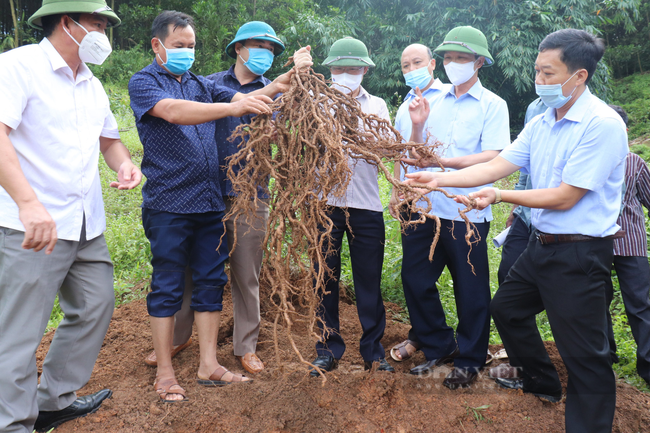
(575, 155)
(472, 122)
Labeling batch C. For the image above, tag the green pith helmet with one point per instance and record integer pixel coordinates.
(466, 39)
(53, 7)
(255, 30)
(348, 52)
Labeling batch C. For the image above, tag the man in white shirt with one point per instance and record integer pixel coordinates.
(358, 214)
(55, 118)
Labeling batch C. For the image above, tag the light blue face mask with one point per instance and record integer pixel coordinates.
(259, 60)
(179, 60)
(551, 94)
(418, 78)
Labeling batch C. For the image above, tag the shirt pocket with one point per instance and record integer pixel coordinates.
(556, 175)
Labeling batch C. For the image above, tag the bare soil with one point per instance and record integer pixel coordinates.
(285, 399)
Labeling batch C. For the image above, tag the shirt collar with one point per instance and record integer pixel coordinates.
(576, 113)
(436, 86)
(163, 71)
(362, 93)
(231, 74)
(57, 62)
(476, 90)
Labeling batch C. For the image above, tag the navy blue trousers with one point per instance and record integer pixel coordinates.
(568, 280)
(633, 274)
(179, 240)
(366, 240)
(472, 292)
(513, 246)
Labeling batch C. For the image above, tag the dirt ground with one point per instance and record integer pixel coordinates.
(288, 400)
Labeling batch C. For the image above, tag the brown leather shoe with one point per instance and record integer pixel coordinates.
(251, 363)
(504, 371)
(153, 361)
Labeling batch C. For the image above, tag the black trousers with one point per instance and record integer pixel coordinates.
(633, 274)
(472, 292)
(366, 240)
(568, 280)
(513, 246)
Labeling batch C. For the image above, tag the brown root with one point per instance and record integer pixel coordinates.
(305, 150)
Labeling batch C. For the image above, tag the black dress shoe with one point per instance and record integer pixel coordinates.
(383, 365)
(325, 363)
(82, 406)
(518, 383)
(460, 378)
(430, 365)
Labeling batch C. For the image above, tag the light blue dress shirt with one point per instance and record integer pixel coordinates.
(475, 122)
(585, 149)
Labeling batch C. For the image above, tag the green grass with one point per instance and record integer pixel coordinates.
(130, 250)
(633, 94)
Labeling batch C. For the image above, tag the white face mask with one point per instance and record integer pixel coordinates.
(94, 47)
(352, 82)
(459, 73)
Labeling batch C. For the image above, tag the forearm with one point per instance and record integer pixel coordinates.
(12, 178)
(115, 152)
(547, 198)
(476, 175)
(417, 133)
(182, 112)
(461, 162)
(269, 90)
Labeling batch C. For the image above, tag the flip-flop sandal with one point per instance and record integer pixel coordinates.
(501, 354)
(167, 387)
(403, 351)
(218, 374)
(489, 357)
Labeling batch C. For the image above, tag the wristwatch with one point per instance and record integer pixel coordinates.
(497, 199)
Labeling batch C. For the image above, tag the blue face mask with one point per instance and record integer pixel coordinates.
(259, 60)
(179, 60)
(551, 94)
(418, 78)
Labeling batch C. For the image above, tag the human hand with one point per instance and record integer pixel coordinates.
(128, 176)
(256, 104)
(302, 58)
(425, 178)
(483, 198)
(417, 160)
(40, 228)
(419, 108)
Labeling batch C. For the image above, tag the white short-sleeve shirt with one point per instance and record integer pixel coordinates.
(56, 122)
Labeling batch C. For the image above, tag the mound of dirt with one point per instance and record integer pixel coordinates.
(286, 399)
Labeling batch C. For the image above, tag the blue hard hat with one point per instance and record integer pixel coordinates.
(256, 30)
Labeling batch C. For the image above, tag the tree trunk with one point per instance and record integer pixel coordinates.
(16, 31)
(254, 7)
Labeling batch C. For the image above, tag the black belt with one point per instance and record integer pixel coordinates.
(546, 238)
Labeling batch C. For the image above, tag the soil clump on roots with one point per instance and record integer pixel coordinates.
(289, 401)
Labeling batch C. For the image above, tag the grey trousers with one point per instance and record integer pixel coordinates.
(245, 265)
(82, 274)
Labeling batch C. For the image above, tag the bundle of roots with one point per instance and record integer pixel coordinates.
(307, 150)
